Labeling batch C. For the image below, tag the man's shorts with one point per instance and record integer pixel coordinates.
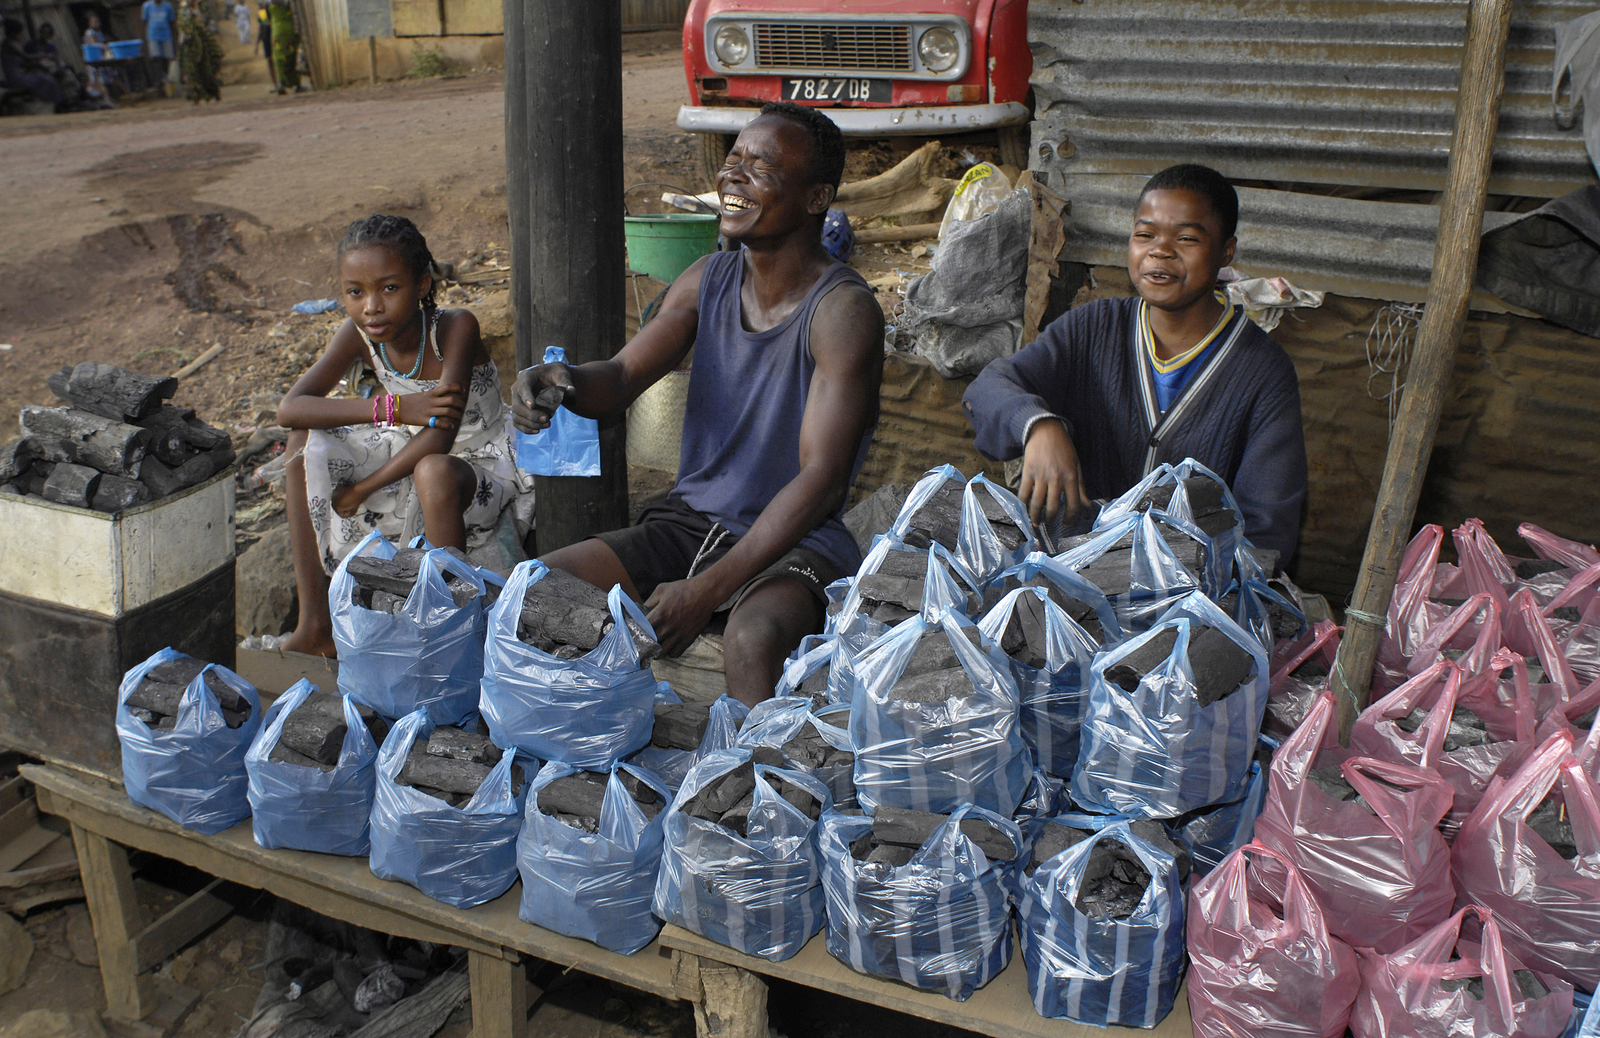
(672, 541)
(161, 49)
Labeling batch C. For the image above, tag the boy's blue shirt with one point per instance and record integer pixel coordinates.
(158, 17)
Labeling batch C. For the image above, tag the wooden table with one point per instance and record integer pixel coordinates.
(726, 987)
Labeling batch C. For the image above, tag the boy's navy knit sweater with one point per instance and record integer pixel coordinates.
(1084, 368)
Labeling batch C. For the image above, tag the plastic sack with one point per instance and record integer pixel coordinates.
(1155, 577)
(922, 491)
(195, 773)
(462, 856)
(1381, 872)
(1410, 611)
(1547, 907)
(1222, 547)
(981, 189)
(1589, 1025)
(938, 756)
(1546, 545)
(588, 712)
(570, 446)
(815, 652)
(308, 809)
(1156, 752)
(1262, 963)
(597, 886)
(1301, 670)
(761, 894)
(1210, 834)
(1268, 614)
(977, 545)
(1101, 970)
(428, 656)
(941, 922)
(947, 584)
(1409, 992)
(1052, 696)
(776, 721)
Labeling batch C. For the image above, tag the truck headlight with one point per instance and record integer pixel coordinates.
(733, 46)
(938, 49)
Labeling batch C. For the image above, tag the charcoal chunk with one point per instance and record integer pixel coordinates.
(73, 485)
(1155, 834)
(110, 391)
(1054, 839)
(1114, 882)
(423, 769)
(1549, 821)
(1130, 669)
(560, 609)
(938, 519)
(282, 754)
(933, 652)
(807, 748)
(397, 576)
(938, 687)
(1527, 569)
(1205, 496)
(1567, 614)
(461, 744)
(580, 794)
(116, 494)
(911, 829)
(1220, 664)
(722, 794)
(680, 726)
(314, 735)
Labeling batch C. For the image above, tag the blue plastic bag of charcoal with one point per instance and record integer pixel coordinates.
(569, 447)
(820, 667)
(1142, 563)
(1210, 834)
(426, 656)
(740, 864)
(1102, 930)
(932, 512)
(1172, 716)
(300, 803)
(1266, 610)
(935, 914)
(897, 582)
(462, 855)
(816, 742)
(589, 852)
(1049, 651)
(589, 711)
(1191, 492)
(995, 531)
(935, 720)
(184, 738)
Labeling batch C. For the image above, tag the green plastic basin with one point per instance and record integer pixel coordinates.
(663, 245)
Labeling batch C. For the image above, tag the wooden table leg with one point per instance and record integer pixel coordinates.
(499, 996)
(114, 910)
(729, 1002)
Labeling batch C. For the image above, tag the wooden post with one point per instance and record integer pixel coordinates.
(499, 996)
(114, 911)
(1455, 265)
(372, 60)
(564, 195)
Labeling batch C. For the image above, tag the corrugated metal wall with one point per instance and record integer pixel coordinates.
(639, 15)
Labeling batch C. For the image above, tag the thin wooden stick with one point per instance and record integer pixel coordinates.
(1455, 264)
(199, 362)
(910, 232)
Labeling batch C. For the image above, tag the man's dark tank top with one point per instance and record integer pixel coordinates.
(747, 396)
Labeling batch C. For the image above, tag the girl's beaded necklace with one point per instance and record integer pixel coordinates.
(422, 340)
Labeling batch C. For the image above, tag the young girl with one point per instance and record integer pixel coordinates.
(432, 454)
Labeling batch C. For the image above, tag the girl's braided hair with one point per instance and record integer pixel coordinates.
(399, 234)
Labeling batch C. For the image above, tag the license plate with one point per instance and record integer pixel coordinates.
(838, 90)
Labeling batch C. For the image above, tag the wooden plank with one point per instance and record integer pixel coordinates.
(1001, 1008)
(26, 846)
(343, 888)
(499, 997)
(190, 918)
(114, 910)
(15, 821)
(13, 791)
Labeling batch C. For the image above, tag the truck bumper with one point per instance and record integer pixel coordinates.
(927, 121)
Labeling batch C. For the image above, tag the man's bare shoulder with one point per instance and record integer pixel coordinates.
(847, 321)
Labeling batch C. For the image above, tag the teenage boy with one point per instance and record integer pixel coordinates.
(782, 402)
(1114, 388)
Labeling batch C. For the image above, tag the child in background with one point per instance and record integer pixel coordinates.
(241, 21)
(431, 455)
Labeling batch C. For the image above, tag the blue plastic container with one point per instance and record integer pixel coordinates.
(121, 49)
(93, 52)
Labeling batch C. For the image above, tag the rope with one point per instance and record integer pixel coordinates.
(1370, 619)
(1389, 342)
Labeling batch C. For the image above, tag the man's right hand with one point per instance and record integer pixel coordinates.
(1050, 476)
(530, 413)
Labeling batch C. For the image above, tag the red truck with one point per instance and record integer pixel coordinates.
(919, 68)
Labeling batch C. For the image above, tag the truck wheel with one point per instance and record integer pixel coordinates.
(711, 150)
(1014, 143)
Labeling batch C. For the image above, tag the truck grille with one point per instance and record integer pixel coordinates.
(874, 47)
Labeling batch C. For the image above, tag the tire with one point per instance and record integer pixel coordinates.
(1015, 142)
(711, 150)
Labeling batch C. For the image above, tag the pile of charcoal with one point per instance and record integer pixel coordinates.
(576, 799)
(117, 445)
(1025, 638)
(567, 617)
(1112, 571)
(1528, 985)
(1219, 664)
(1056, 837)
(680, 726)
(313, 734)
(452, 763)
(1331, 781)
(1550, 822)
(1211, 513)
(728, 799)
(155, 701)
(939, 519)
(809, 750)
(1466, 728)
(893, 592)
(933, 674)
(383, 585)
(897, 834)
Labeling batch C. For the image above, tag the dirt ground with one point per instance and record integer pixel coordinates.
(145, 235)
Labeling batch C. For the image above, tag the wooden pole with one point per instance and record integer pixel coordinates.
(1455, 265)
(564, 194)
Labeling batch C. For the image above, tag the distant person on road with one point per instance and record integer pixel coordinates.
(241, 21)
(199, 55)
(264, 41)
(159, 22)
(782, 403)
(23, 71)
(429, 455)
(285, 46)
